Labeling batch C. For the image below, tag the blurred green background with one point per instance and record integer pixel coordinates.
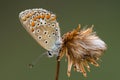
(18, 48)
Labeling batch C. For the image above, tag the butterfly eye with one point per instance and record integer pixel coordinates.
(50, 54)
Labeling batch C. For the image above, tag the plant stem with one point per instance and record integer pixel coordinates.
(57, 70)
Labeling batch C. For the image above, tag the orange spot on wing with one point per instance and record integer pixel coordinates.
(53, 18)
(32, 29)
(38, 17)
(33, 24)
(47, 16)
(43, 16)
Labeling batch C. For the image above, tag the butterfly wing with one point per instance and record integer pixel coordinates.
(42, 26)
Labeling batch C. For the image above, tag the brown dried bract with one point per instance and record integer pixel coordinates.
(81, 48)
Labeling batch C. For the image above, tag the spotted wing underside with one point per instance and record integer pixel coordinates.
(42, 26)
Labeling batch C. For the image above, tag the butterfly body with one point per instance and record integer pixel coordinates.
(43, 27)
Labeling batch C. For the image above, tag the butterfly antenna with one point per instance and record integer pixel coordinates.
(36, 60)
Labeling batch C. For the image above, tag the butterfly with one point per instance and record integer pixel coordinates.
(42, 25)
(81, 46)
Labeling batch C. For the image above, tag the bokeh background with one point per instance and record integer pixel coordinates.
(18, 48)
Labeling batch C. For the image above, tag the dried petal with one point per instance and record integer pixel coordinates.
(82, 47)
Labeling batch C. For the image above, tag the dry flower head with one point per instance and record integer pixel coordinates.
(81, 47)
